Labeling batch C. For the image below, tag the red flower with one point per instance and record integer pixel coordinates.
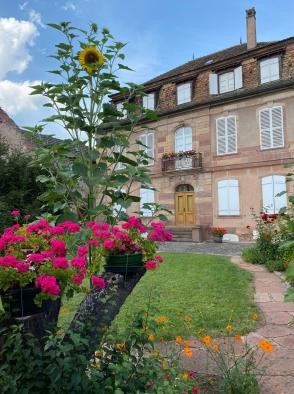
(151, 265)
(99, 282)
(48, 284)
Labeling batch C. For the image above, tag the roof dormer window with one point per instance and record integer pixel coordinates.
(225, 82)
(149, 101)
(269, 70)
(184, 93)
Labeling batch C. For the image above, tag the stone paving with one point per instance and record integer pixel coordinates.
(225, 248)
(276, 317)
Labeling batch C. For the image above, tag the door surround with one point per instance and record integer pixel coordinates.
(184, 205)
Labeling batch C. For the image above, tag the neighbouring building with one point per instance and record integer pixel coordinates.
(225, 132)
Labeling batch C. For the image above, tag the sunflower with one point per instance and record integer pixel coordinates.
(90, 58)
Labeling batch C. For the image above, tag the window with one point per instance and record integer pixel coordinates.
(148, 140)
(228, 197)
(120, 150)
(147, 196)
(269, 70)
(225, 82)
(183, 139)
(271, 128)
(184, 93)
(117, 207)
(120, 108)
(271, 186)
(149, 101)
(226, 135)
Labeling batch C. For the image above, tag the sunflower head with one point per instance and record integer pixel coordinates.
(90, 59)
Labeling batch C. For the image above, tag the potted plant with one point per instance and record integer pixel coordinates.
(126, 248)
(37, 265)
(218, 233)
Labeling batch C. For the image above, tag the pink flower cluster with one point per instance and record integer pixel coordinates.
(42, 226)
(134, 222)
(48, 284)
(98, 282)
(158, 233)
(12, 262)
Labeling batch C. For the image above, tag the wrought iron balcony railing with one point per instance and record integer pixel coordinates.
(178, 163)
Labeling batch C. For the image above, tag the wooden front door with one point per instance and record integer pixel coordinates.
(185, 212)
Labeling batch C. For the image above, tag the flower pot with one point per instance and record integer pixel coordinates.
(123, 263)
(218, 238)
(19, 302)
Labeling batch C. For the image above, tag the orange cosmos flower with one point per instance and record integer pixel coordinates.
(179, 339)
(215, 347)
(121, 347)
(185, 375)
(207, 340)
(254, 316)
(188, 352)
(238, 337)
(161, 319)
(151, 337)
(265, 345)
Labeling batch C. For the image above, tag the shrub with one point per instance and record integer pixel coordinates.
(275, 265)
(252, 255)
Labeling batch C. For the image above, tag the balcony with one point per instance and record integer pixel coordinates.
(181, 161)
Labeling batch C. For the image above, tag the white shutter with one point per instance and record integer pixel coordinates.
(221, 136)
(238, 77)
(265, 128)
(231, 134)
(146, 196)
(277, 127)
(213, 83)
(228, 197)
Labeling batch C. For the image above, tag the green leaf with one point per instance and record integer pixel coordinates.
(43, 178)
(54, 26)
(80, 169)
(289, 296)
(67, 216)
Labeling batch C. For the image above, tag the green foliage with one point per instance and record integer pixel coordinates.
(252, 255)
(18, 186)
(275, 265)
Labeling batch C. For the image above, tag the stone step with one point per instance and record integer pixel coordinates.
(184, 239)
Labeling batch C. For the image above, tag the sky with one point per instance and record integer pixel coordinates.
(160, 35)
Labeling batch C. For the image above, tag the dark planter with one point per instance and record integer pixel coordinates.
(19, 302)
(218, 238)
(123, 263)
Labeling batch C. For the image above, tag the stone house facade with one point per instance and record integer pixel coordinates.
(225, 132)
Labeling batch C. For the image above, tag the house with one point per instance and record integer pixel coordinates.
(224, 134)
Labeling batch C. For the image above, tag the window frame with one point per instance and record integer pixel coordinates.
(146, 97)
(279, 69)
(222, 74)
(227, 144)
(271, 135)
(152, 161)
(231, 212)
(274, 196)
(147, 202)
(190, 92)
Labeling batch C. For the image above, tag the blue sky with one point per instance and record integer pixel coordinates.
(161, 34)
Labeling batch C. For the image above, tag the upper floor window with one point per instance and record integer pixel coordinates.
(183, 139)
(226, 135)
(120, 108)
(271, 186)
(149, 101)
(184, 93)
(146, 197)
(226, 82)
(228, 197)
(271, 127)
(148, 140)
(269, 70)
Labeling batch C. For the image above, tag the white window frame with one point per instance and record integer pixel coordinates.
(226, 136)
(120, 108)
(184, 93)
(149, 193)
(271, 67)
(277, 184)
(185, 133)
(215, 81)
(149, 101)
(149, 150)
(272, 145)
(230, 76)
(229, 186)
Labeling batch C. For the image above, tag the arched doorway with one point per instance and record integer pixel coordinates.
(185, 205)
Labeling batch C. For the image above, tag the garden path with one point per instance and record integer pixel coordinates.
(225, 248)
(277, 317)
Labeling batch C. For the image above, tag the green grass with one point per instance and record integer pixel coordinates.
(209, 289)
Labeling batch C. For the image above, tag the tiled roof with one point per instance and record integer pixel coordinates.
(206, 60)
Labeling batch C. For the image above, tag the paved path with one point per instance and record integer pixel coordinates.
(225, 248)
(276, 316)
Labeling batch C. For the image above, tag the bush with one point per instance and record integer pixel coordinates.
(252, 255)
(275, 265)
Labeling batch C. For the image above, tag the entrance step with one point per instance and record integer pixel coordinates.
(181, 234)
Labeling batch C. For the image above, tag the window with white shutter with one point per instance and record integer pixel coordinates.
(269, 70)
(149, 101)
(184, 93)
(271, 127)
(228, 197)
(226, 82)
(226, 135)
(120, 108)
(271, 186)
(148, 140)
(146, 196)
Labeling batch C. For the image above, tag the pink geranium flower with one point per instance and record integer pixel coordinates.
(108, 244)
(82, 251)
(79, 261)
(48, 284)
(58, 247)
(60, 262)
(93, 242)
(15, 212)
(27, 217)
(98, 282)
(151, 265)
(159, 258)
(22, 267)
(77, 279)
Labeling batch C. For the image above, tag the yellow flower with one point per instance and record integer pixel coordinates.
(215, 347)
(254, 316)
(188, 352)
(229, 327)
(238, 337)
(90, 58)
(161, 319)
(121, 347)
(185, 375)
(151, 337)
(265, 345)
(207, 340)
(179, 339)
(187, 318)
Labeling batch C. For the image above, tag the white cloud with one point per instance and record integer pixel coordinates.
(16, 37)
(36, 18)
(15, 97)
(69, 6)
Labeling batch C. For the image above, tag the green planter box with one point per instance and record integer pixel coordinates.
(123, 263)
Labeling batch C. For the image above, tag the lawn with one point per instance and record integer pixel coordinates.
(198, 294)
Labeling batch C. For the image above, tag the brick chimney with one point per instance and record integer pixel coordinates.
(251, 28)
